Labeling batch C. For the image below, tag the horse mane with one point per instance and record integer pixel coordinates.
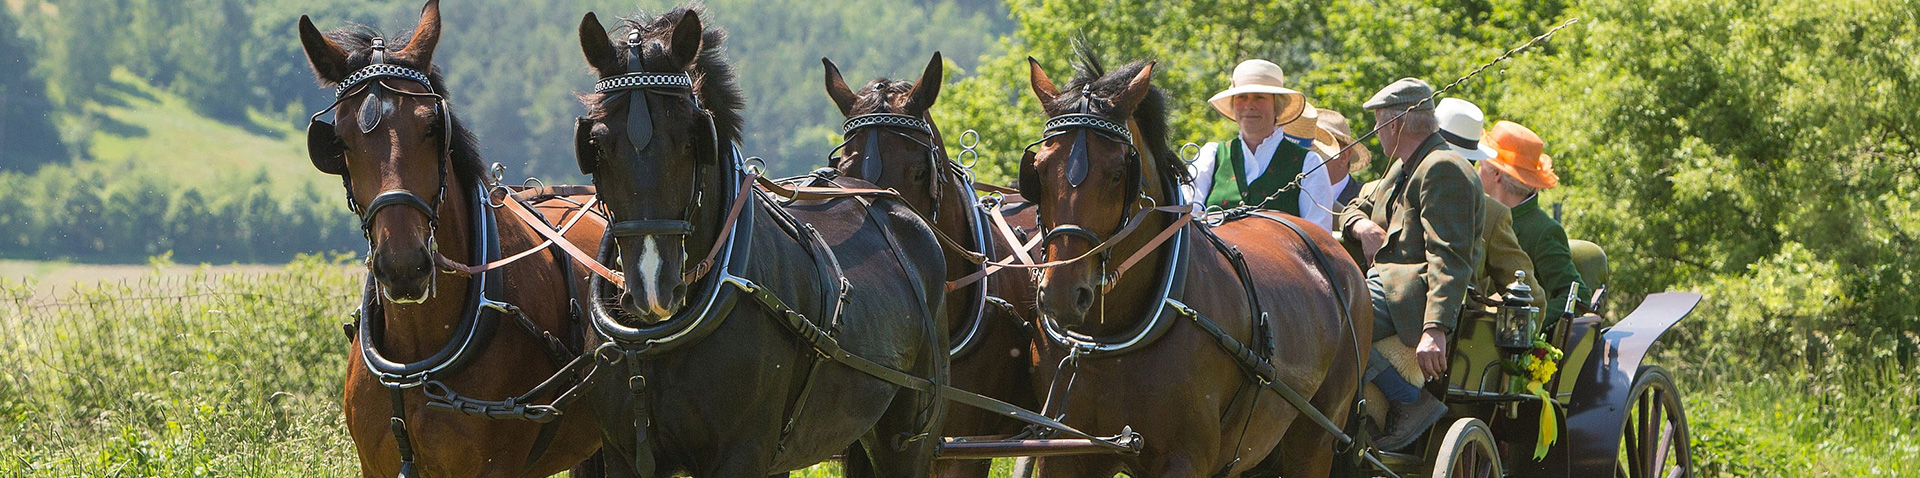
(713, 78)
(357, 40)
(1102, 86)
(879, 96)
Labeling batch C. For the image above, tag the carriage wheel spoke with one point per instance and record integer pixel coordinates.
(1666, 445)
(1654, 422)
(1630, 446)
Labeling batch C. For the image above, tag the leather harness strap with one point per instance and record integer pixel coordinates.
(457, 268)
(540, 227)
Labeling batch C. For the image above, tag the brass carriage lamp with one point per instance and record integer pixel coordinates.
(1518, 319)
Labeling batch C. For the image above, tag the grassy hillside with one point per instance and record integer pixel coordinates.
(146, 132)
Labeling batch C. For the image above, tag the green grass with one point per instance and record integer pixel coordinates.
(150, 133)
(201, 375)
(240, 375)
(1783, 424)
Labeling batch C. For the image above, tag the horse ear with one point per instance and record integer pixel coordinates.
(837, 88)
(328, 59)
(927, 90)
(1042, 86)
(687, 39)
(426, 36)
(1137, 89)
(593, 41)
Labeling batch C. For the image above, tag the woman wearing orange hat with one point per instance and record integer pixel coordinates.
(1517, 171)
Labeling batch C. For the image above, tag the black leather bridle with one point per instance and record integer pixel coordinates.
(328, 151)
(1082, 126)
(900, 125)
(636, 86)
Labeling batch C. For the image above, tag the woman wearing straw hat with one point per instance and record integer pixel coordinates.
(1257, 163)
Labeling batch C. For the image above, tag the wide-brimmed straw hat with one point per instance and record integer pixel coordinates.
(1520, 155)
(1261, 76)
(1305, 125)
(1340, 133)
(1461, 123)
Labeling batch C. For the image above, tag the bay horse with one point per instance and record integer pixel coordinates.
(810, 326)
(1199, 357)
(893, 142)
(425, 338)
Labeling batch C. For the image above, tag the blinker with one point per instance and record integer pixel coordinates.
(639, 116)
(870, 166)
(1077, 160)
(325, 149)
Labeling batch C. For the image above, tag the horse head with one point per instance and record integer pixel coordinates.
(890, 140)
(655, 150)
(391, 141)
(1086, 178)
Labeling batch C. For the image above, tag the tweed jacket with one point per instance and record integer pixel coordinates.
(1502, 255)
(1430, 207)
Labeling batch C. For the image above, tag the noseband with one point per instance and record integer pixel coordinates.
(898, 125)
(637, 86)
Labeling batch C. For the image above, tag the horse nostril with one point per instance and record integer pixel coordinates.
(1083, 297)
(631, 304)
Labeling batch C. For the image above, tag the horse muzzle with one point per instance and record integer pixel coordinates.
(653, 253)
(404, 276)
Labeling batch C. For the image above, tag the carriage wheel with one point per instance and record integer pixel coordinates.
(1468, 452)
(1654, 441)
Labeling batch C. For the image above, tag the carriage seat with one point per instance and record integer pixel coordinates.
(1591, 261)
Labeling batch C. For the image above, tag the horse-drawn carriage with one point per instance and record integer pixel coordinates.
(832, 293)
(1610, 413)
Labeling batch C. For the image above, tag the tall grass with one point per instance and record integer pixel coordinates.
(194, 376)
(240, 375)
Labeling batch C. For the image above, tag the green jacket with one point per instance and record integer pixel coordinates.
(1546, 242)
(1230, 188)
(1430, 207)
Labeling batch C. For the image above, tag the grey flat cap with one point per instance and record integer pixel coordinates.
(1402, 93)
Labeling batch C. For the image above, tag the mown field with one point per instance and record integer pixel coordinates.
(211, 375)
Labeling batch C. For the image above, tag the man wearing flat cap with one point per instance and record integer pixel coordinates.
(1514, 175)
(1418, 227)
(1261, 160)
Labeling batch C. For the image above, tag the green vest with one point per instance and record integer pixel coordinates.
(1230, 188)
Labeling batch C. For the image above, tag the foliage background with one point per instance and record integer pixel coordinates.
(1758, 151)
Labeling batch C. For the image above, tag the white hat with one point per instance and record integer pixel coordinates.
(1260, 76)
(1462, 123)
